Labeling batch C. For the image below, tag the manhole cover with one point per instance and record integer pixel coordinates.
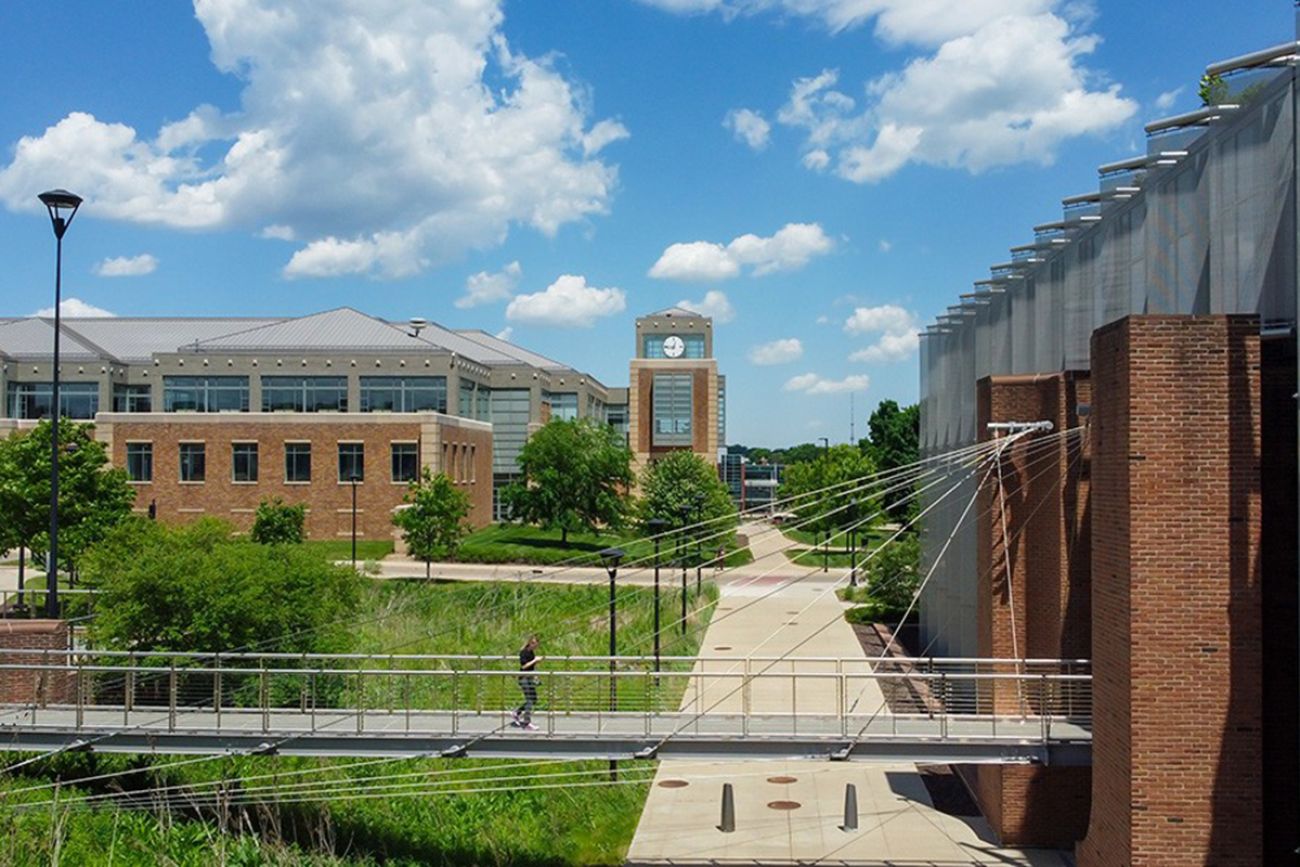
(782, 780)
(723, 647)
(792, 623)
(783, 805)
(673, 784)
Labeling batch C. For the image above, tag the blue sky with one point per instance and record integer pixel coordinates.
(824, 176)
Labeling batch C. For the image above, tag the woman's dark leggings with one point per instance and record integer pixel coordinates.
(525, 710)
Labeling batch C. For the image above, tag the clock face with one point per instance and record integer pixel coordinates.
(674, 346)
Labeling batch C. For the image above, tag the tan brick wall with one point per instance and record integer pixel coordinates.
(36, 685)
(1177, 756)
(464, 451)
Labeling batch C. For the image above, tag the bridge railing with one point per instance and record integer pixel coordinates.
(756, 696)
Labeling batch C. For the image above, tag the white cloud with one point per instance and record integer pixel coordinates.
(790, 248)
(748, 126)
(781, 351)
(823, 320)
(487, 288)
(811, 383)
(714, 304)
(75, 308)
(896, 327)
(567, 303)
(127, 266)
(277, 233)
(988, 83)
(1166, 100)
(386, 136)
(505, 333)
(885, 245)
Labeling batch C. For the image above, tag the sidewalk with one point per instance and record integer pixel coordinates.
(898, 823)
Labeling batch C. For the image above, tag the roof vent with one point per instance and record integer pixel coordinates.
(417, 324)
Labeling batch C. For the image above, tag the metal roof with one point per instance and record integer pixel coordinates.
(509, 349)
(340, 329)
(139, 339)
(33, 338)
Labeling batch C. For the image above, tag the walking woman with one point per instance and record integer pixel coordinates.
(528, 660)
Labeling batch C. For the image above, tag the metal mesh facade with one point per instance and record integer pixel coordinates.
(1203, 223)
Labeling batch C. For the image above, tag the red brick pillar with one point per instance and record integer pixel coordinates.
(36, 685)
(1044, 492)
(1175, 594)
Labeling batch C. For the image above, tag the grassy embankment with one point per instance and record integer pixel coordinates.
(516, 543)
(512, 825)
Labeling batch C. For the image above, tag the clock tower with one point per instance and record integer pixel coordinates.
(675, 394)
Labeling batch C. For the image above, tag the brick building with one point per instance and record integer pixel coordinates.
(211, 415)
(1157, 321)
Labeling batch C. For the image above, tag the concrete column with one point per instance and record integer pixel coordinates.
(1177, 756)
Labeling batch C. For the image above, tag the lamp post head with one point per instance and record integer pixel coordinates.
(611, 557)
(354, 478)
(62, 206)
(655, 525)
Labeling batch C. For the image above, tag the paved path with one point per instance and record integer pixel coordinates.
(897, 820)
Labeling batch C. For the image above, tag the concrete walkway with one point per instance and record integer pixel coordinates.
(790, 812)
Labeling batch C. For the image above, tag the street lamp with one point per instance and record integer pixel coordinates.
(685, 511)
(853, 547)
(353, 479)
(656, 527)
(699, 541)
(611, 557)
(62, 206)
(826, 534)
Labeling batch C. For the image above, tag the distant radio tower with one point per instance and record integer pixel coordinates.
(853, 436)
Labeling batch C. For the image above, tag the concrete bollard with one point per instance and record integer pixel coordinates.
(728, 810)
(850, 808)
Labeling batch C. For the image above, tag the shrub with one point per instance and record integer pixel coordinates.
(278, 523)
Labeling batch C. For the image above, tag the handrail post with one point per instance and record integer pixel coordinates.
(455, 700)
(81, 696)
(361, 701)
(216, 695)
(264, 696)
(128, 700)
(943, 704)
(171, 696)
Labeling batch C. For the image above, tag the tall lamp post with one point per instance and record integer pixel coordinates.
(611, 558)
(853, 546)
(62, 206)
(685, 512)
(656, 527)
(826, 535)
(353, 479)
(699, 541)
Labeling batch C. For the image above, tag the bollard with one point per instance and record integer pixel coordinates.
(850, 808)
(728, 810)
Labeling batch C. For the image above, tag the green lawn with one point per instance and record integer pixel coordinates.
(341, 549)
(584, 825)
(518, 543)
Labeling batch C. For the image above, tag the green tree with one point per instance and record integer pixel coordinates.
(576, 477)
(894, 440)
(196, 588)
(433, 521)
(682, 488)
(822, 509)
(93, 497)
(278, 523)
(893, 575)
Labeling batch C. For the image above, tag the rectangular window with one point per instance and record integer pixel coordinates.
(672, 409)
(652, 345)
(403, 394)
(509, 414)
(406, 462)
(297, 462)
(243, 462)
(132, 398)
(304, 394)
(616, 417)
(564, 404)
(139, 462)
(472, 401)
(193, 462)
(205, 394)
(34, 399)
(352, 462)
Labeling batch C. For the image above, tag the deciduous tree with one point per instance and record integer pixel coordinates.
(433, 520)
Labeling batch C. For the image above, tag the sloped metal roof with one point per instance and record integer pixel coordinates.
(510, 350)
(340, 329)
(33, 338)
(676, 312)
(138, 339)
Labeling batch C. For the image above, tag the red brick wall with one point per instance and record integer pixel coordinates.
(329, 502)
(38, 686)
(1044, 485)
(1175, 593)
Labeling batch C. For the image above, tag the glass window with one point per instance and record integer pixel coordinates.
(132, 398)
(297, 462)
(403, 394)
(193, 462)
(509, 409)
(652, 345)
(243, 462)
(616, 417)
(139, 462)
(564, 404)
(205, 394)
(672, 409)
(34, 399)
(304, 394)
(352, 462)
(472, 401)
(406, 462)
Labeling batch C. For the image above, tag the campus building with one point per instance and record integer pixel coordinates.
(210, 415)
(1155, 320)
